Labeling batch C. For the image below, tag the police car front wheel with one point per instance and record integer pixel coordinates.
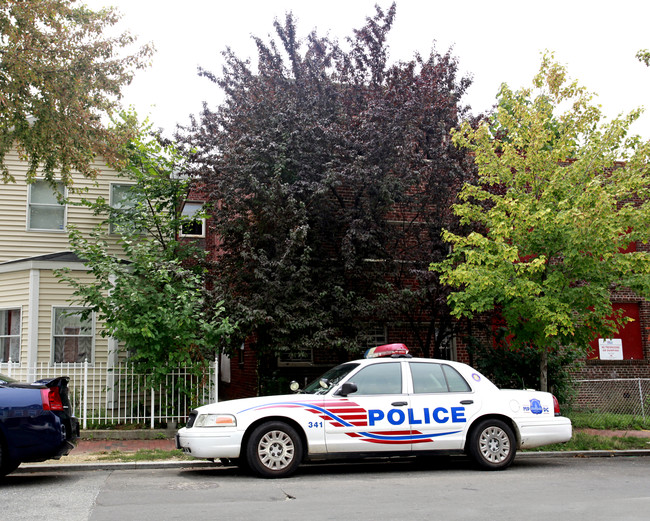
(492, 445)
(274, 450)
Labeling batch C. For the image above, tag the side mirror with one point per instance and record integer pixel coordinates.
(347, 388)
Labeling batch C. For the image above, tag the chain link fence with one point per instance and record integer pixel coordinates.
(612, 403)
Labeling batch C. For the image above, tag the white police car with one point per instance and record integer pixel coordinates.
(387, 404)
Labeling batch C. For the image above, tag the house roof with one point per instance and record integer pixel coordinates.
(62, 256)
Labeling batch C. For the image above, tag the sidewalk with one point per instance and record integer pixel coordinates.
(619, 434)
(92, 446)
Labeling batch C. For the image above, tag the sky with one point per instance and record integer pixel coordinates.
(498, 41)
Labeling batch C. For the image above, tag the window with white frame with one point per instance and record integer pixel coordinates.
(121, 198)
(46, 211)
(9, 335)
(192, 227)
(72, 335)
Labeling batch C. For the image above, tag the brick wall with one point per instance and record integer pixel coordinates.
(603, 369)
(244, 380)
(245, 373)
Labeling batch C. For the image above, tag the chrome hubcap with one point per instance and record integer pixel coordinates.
(494, 444)
(276, 450)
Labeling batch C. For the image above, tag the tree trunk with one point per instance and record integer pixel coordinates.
(543, 371)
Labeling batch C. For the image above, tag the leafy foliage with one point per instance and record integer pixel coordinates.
(59, 74)
(644, 56)
(330, 174)
(519, 369)
(153, 296)
(553, 213)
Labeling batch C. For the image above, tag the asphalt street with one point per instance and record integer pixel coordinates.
(534, 488)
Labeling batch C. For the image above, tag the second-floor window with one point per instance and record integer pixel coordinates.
(9, 335)
(46, 211)
(121, 198)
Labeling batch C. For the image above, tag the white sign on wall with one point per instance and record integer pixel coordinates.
(610, 348)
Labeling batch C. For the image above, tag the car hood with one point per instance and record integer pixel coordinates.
(244, 404)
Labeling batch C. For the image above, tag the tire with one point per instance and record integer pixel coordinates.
(274, 450)
(492, 445)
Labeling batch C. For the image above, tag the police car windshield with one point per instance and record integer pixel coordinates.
(329, 379)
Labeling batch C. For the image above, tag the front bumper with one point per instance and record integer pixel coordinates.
(210, 442)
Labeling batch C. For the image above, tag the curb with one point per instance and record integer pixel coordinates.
(27, 468)
(585, 454)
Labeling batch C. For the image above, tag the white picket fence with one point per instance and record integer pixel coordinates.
(102, 394)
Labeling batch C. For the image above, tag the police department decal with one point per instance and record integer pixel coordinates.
(535, 407)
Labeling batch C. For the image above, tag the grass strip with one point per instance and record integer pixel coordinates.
(584, 441)
(141, 455)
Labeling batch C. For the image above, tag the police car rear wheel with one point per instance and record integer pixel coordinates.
(274, 450)
(492, 445)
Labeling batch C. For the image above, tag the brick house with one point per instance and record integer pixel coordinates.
(630, 357)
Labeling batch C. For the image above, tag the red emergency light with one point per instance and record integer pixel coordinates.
(387, 350)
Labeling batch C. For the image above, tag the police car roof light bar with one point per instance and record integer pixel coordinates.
(388, 350)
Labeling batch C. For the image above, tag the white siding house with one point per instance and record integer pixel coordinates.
(38, 323)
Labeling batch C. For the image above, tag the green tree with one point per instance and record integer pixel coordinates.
(59, 76)
(153, 296)
(552, 214)
(330, 173)
(644, 56)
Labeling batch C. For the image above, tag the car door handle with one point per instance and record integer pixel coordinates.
(399, 404)
(466, 402)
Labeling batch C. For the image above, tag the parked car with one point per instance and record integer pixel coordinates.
(386, 404)
(36, 423)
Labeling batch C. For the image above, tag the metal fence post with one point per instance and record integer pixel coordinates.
(84, 412)
(153, 398)
(642, 402)
(216, 377)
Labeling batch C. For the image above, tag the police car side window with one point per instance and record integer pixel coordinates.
(379, 379)
(437, 378)
(428, 378)
(455, 381)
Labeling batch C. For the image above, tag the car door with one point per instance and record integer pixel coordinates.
(442, 406)
(375, 417)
